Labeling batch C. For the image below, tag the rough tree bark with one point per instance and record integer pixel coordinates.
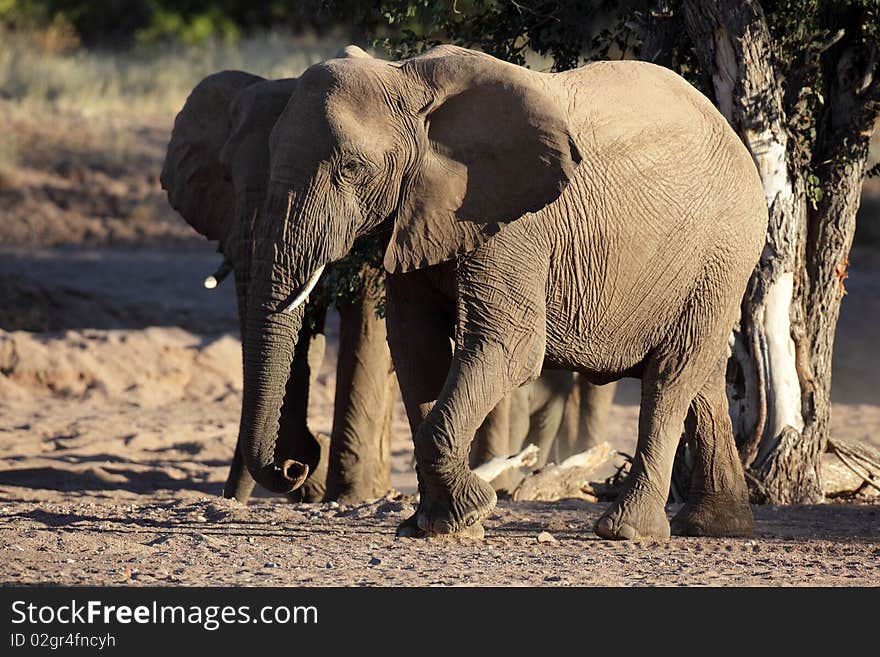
(780, 376)
(839, 161)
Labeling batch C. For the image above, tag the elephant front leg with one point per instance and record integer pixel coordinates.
(454, 500)
(585, 422)
(360, 443)
(500, 343)
(492, 439)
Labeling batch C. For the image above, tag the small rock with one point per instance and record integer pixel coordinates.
(271, 564)
(546, 537)
(201, 518)
(375, 561)
(553, 578)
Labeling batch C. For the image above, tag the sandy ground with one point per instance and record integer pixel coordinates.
(120, 390)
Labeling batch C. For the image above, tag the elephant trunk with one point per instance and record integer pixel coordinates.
(270, 340)
(278, 289)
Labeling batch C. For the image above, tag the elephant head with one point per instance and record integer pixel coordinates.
(217, 164)
(216, 171)
(199, 186)
(443, 148)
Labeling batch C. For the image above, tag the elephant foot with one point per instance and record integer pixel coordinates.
(455, 509)
(237, 494)
(410, 529)
(634, 516)
(714, 514)
(311, 491)
(350, 494)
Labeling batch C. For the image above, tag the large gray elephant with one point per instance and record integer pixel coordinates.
(604, 220)
(216, 175)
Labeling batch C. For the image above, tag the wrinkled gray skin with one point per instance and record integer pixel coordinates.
(216, 174)
(603, 220)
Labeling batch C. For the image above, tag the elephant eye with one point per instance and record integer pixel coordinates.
(351, 168)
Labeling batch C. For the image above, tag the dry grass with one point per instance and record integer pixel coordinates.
(147, 81)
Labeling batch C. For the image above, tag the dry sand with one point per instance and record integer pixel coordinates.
(120, 388)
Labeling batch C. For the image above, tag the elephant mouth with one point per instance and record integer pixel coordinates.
(300, 295)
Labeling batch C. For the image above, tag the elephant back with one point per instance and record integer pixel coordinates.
(197, 184)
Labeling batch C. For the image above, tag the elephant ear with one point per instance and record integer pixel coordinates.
(196, 182)
(494, 145)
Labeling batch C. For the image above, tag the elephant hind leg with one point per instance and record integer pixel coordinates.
(684, 366)
(639, 511)
(718, 504)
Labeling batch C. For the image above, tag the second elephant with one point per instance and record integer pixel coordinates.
(215, 173)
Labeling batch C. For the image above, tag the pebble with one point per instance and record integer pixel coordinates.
(546, 537)
(375, 561)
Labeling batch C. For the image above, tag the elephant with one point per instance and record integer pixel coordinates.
(604, 220)
(216, 173)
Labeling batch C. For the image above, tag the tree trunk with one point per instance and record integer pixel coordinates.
(840, 158)
(780, 377)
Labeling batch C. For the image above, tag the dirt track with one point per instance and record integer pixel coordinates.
(217, 542)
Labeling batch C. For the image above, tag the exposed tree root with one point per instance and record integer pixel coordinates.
(862, 461)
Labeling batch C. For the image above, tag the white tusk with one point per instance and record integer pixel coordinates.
(217, 277)
(306, 291)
